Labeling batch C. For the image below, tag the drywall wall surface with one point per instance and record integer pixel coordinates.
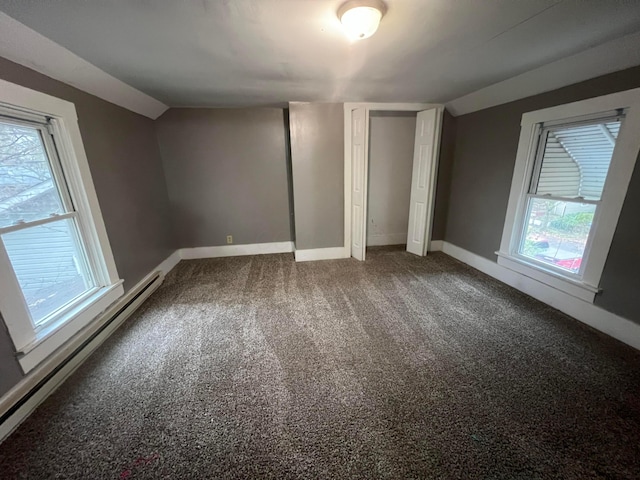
(391, 141)
(445, 167)
(481, 179)
(484, 158)
(317, 155)
(226, 175)
(10, 371)
(127, 173)
(620, 281)
(287, 136)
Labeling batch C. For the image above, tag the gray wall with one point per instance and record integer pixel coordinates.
(317, 153)
(484, 157)
(445, 167)
(10, 371)
(391, 139)
(125, 164)
(226, 174)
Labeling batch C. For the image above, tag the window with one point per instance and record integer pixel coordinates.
(572, 171)
(56, 267)
(569, 173)
(38, 223)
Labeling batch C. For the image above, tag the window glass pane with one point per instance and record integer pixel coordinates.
(576, 160)
(27, 188)
(556, 232)
(50, 266)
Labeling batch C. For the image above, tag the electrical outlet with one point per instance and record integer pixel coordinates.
(229, 238)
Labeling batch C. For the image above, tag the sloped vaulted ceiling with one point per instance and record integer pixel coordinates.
(269, 52)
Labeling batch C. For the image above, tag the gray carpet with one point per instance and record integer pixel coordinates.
(399, 367)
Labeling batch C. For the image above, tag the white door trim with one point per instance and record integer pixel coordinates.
(369, 106)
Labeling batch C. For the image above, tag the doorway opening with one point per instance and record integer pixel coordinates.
(391, 137)
(391, 156)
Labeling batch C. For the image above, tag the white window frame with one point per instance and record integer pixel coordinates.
(33, 344)
(586, 285)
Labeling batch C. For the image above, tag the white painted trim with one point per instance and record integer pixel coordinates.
(391, 107)
(368, 106)
(621, 168)
(347, 119)
(80, 316)
(618, 327)
(35, 103)
(27, 47)
(75, 165)
(435, 245)
(169, 264)
(71, 159)
(381, 239)
(13, 304)
(581, 108)
(609, 57)
(23, 387)
(331, 253)
(574, 288)
(236, 250)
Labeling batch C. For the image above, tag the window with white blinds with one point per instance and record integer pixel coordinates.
(576, 158)
(569, 175)
(570, 179)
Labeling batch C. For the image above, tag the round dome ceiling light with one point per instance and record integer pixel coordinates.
(360, 18)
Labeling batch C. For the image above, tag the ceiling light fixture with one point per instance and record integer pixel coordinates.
(361, 18)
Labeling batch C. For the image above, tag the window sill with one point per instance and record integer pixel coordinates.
(50, 339)
(575, 288)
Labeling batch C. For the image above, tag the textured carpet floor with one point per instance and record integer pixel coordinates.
(399, 367)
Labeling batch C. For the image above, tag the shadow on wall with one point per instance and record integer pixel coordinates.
(226, 174)
(445, 173)
(317, 153)
(287, 149)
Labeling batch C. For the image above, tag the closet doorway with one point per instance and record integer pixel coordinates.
(378, 181)
(391, 137)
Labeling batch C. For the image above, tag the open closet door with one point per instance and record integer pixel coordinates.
(423, 180)
(358, 183)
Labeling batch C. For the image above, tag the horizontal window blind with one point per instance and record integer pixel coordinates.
(576, 160)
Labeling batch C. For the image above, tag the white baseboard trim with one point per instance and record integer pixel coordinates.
(387, 239)
(236, 250)
(47, 367)
(617, 327)
(172, 260)
(436, 245)
(321, 254)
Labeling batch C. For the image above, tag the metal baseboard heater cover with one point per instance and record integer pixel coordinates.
(113, 317)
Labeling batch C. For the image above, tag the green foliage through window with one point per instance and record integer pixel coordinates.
(573, 222)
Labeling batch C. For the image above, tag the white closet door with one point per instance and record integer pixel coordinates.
(358, 183)
(423, 181)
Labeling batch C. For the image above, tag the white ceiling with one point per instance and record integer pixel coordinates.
(269, 52)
